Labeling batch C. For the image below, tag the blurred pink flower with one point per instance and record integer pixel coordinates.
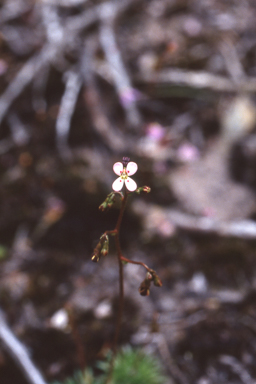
(155, 131)
(129, 96)
(187, 153)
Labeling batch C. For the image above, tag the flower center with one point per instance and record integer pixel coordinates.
(124, 175)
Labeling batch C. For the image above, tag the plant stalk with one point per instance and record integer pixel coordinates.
(121, 286)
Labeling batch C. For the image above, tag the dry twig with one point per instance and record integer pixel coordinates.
(24, 77)
(243, 229)
(237, 368)
(198, 80)
(90, 16)
(232, 62)
(121, 78)
(19, 133)
(64, 3)
(100, 120)
(12, 9)
(19, 353)
(67, 107)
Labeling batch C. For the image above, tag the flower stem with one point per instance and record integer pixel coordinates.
(121, 286)
(137, 263)
(121, 273)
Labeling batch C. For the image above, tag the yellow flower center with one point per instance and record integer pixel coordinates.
(124, 175)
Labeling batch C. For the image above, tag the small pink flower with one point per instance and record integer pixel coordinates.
(124, 173)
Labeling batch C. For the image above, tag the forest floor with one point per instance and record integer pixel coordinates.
(171, 84)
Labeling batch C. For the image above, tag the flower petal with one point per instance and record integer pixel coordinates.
(130, 184)
(131, 168)
(118, 184)
(118, 168)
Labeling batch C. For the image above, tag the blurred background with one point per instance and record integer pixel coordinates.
(171, 84)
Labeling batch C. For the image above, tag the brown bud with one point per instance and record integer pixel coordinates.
(157, 282)
(145, 285)
(95, 258)
(144, 291)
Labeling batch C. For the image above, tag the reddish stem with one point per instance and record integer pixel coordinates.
(121, 273)
(121, 284)
(136, 262)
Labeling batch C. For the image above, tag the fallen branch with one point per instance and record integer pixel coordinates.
(24, 77)
(19, 353)
(19, 133)
(237, 368)
(198, 80)
(64, 3)
(121, 79)
(11, 10)
(67, 107)
(85, 20)
(36, 63)
(39, 88)
(54, 31)
(243, 229)
(232, 62)
(102, 125)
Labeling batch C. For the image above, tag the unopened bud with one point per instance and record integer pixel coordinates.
(103, 206)
(105, 246)
(95, 258)
(144, 291)
(145, 285)
(97, 253)
(145, 189)
(104, 252)
(125, 161)
(108, 202)
(156, 280)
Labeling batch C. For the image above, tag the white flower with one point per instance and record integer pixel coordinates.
(124, 173)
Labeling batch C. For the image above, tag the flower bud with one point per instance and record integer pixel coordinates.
(144, 291)
(108, 202)
(144, 288)
(104, 250)
(95, 258)
(145, 189)
(101, 248)
(105, 246)
(103, 206)
(156, 280)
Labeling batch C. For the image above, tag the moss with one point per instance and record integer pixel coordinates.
(131, 367)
